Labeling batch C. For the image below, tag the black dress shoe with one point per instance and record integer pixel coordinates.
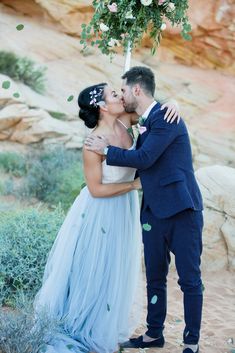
(188, 350)
(139, 343)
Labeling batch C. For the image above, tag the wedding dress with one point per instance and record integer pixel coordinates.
(92, 270)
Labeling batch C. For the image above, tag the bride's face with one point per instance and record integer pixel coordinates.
(113, 101)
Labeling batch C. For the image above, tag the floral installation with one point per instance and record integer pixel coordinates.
(124, 23)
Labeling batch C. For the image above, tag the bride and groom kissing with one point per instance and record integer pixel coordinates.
(100, 237)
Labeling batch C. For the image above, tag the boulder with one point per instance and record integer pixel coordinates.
(217, 184)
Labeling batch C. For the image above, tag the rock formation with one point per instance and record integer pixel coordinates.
(217, 184)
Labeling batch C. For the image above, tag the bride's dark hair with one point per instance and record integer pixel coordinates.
(88, 102)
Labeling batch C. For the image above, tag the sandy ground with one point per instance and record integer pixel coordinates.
(218, 324)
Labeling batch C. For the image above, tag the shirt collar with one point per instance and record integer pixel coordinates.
(148, 110)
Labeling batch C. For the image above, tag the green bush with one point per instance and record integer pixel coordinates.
(54, 177)
(25, 240)
(24, 70)
(13, 163)
(22, 332)
(67, 187)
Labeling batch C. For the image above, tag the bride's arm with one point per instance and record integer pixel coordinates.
(93, 176)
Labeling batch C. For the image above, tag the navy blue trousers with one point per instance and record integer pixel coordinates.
(180, 234)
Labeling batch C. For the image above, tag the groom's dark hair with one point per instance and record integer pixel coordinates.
(143, 76)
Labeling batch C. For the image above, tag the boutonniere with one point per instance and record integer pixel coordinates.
(141, 129)
(141, 120)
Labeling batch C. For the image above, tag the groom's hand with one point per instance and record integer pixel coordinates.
(96, 143)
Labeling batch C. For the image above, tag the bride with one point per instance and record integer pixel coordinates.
(92, 269)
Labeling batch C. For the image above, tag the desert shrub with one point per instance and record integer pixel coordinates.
(24, 70)
(22, 332)
(1, 187)
(25, 240)
(13, 163)
(67, 188)
(54, 176)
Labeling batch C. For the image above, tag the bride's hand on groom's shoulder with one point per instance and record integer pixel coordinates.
(172, 112)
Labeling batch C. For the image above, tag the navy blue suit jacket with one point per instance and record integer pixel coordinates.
(163, 158)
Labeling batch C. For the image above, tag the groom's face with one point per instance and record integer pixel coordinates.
(129, 100)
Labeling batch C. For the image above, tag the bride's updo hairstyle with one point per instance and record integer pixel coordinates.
(89, 101)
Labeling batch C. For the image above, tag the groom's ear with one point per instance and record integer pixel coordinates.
(136, 90)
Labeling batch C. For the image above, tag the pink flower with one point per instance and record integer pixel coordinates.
(141, 129)
(113, 7)
(160, 2)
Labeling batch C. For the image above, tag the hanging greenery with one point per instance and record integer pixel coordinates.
(116, 24)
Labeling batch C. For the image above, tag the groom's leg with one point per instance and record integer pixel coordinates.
(186, 244)
(157, 259)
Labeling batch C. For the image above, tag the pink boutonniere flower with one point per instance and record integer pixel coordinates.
(141, 129)
(160, 2)
(113, 7)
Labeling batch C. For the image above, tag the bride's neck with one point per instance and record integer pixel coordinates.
(107, 122)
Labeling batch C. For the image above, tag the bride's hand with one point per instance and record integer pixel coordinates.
(137, 184)
(172, 112)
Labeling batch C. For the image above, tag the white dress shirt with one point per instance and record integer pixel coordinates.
(148, 110)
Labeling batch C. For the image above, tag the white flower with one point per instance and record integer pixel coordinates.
(163, 26)
(171, 7)
(146, 2)
(103, 27)
(129, 15)
(113, 42)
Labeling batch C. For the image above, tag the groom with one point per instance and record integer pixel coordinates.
(171, 211)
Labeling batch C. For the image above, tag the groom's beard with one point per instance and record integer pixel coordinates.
(131, 107)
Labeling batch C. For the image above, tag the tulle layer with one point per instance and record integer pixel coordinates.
(91, 274)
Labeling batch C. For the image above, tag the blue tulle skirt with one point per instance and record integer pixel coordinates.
(91, 274)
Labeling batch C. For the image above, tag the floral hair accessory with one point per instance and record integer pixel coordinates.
(96, 97)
